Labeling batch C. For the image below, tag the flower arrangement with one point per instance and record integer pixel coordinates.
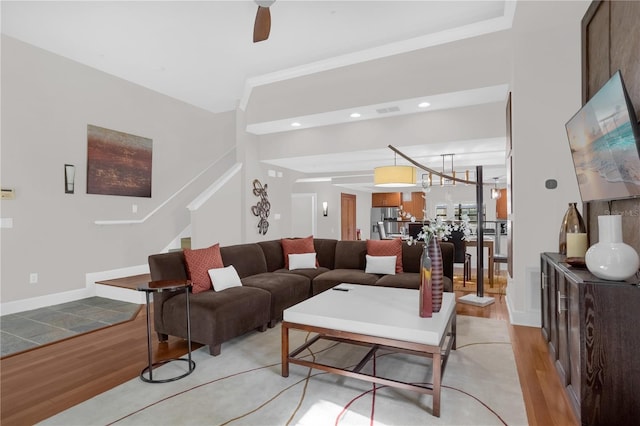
(435, 228)
(442, 229)
(462, 226)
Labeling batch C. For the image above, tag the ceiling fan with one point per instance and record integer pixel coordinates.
(262, 26)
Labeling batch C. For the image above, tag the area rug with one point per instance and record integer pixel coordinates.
(244, 386)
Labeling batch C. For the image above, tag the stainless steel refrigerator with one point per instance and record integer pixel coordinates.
(388, 216)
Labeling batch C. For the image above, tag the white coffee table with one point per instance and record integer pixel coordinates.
(380, 317)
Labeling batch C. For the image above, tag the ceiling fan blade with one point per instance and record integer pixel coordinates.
(262, 26)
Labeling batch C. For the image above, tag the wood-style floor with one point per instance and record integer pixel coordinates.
(42, 382)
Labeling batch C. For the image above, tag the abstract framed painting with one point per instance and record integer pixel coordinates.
(118, 163)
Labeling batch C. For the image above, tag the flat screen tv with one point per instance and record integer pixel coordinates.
(605, 144)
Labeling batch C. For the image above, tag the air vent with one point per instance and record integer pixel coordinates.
(388, 110)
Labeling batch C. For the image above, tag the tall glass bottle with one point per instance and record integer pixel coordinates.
(571, 223)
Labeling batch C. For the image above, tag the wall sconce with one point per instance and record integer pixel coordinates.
(69, 178)
(325, 208)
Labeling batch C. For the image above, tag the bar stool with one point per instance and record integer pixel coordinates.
(497, 260)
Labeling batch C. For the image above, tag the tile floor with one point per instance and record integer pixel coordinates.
(28, 329)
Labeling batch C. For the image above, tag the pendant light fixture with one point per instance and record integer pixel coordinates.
(394, 176)
(495, 192)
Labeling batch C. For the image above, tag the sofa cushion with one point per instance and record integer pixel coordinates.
(199, 262)
(409, 280)
(273, 254)
(381, 265)
(168, 266)
(215, 316)
(248, 259)
(350, 255)
(332, 278)
(302, 261)
(310, 273)
(403, 280)
(387, 248)
(224, 278)
(325, 252)
(296, 246)
(286, 289)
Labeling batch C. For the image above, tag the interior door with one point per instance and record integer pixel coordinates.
(347, 217)
(303, 215)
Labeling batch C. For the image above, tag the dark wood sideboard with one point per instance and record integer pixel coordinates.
(592, 328)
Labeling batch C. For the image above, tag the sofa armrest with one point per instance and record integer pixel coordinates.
(448, 250)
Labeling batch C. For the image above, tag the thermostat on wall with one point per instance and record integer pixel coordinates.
(8, 194)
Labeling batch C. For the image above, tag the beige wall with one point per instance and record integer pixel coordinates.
(546, 93)
(47, 102)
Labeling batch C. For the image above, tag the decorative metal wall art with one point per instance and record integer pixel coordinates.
(262, 208)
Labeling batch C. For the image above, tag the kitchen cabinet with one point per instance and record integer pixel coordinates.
(386, 199)
(414, 205)
(591, 327)
(501, 205)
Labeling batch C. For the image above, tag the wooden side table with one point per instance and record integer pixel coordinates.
(157, 287)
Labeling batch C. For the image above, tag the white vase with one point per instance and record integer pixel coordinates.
(610, 258)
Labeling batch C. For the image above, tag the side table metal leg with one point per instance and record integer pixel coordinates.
(191, 363)
(149, 340)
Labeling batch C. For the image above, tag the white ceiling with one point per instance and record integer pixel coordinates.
(202, 53)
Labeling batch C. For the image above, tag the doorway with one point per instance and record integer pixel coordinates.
(347, 216)
(303, 214)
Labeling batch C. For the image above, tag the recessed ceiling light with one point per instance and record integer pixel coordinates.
(355, 115)
(424, 104)
(295, 124)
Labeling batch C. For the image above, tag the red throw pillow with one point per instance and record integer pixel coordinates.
(387, 248)
(297, 246)
(198, 264)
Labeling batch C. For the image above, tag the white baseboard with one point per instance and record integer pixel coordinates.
(90, 290)
(93, 277)
(118, 293)
(529, 319)
(44, 301)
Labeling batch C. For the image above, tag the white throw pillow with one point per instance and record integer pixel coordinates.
(223, 278)
(302, 261)
(381, 265)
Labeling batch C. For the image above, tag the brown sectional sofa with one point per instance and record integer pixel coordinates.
(268, 288)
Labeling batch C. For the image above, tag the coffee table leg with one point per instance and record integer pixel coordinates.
(285, 350)
(437, 376)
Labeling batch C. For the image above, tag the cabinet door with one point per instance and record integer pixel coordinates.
(573, 315)
(545, 269)
(418, 205)
(386, 199)
(553, 313)
(562, 357)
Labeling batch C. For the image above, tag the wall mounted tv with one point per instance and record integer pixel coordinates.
(605, 144)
